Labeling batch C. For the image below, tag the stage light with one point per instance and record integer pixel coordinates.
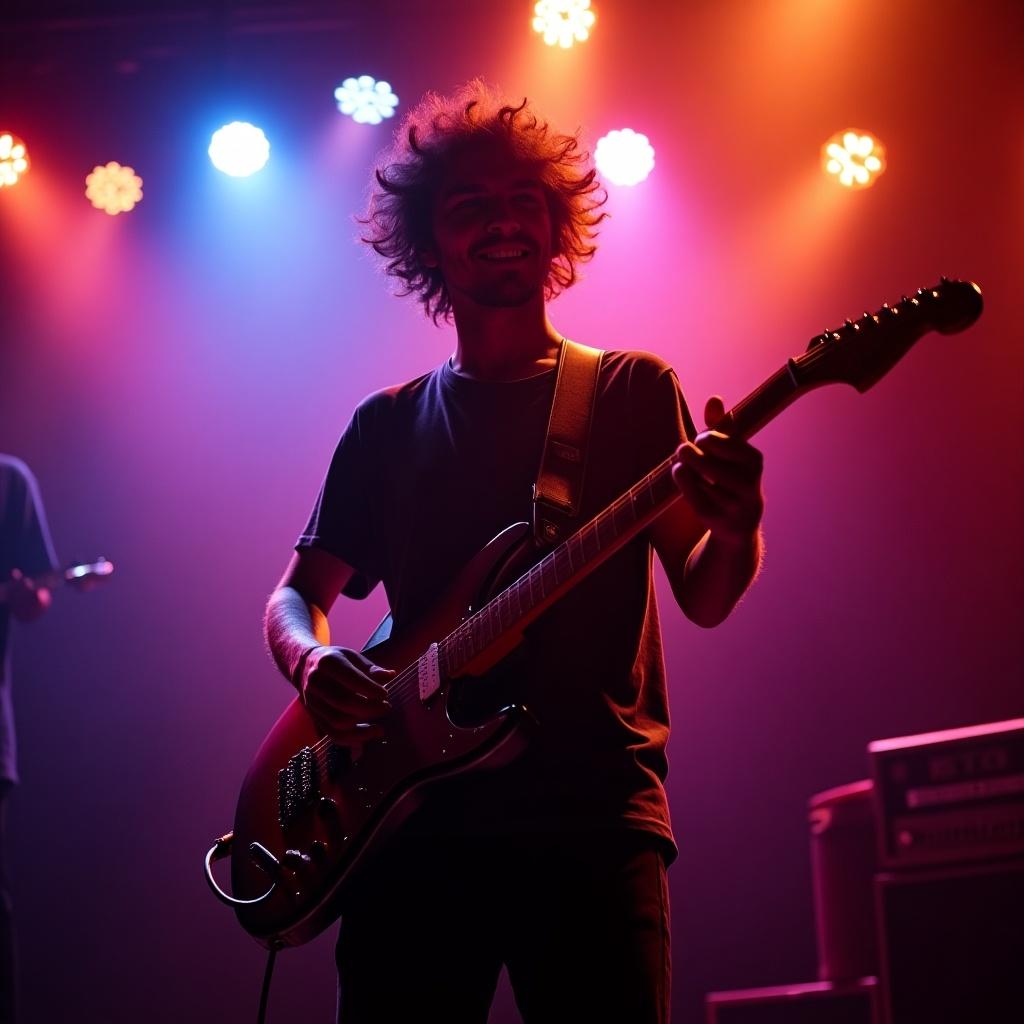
(366, 101)
(624, 157)
(239, 149)
(563, 21)
(854, 158)
(113, 188)
(13, 159)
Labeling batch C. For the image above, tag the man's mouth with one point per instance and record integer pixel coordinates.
(504, 253)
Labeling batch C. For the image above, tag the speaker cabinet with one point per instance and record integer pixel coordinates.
(952, 943)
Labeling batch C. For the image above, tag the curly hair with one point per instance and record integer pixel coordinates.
(399, 217)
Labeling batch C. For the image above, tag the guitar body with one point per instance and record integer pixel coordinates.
(320, 810)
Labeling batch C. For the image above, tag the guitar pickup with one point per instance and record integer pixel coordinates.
(298, 785)
(428, 673)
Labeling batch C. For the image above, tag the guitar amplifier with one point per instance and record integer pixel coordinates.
(952, 943)
(820, 1002)
(951, 796)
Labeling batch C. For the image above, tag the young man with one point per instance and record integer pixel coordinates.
(554, 865)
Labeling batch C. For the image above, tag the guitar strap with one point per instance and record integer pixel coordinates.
(559, 486)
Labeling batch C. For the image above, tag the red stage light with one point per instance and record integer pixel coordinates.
(113, 188)
(854, 158)
(563, 21)
(13, 159)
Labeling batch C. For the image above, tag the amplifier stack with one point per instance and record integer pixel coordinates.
(918, 877)
(949, 895)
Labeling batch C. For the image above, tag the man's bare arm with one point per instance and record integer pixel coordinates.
(341, 688)
(710, 544)
(296, 617)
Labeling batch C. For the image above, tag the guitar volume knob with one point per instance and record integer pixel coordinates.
(296, 860)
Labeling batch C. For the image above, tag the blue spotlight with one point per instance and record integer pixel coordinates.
(239, 149)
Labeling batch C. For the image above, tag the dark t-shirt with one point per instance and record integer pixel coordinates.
(425, 474)
(25, 545)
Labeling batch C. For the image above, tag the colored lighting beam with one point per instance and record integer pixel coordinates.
(13, 159)
(854, 158)
(365, 100)
(113, 188)
(239, 149)
(624, 157)
(563, 21)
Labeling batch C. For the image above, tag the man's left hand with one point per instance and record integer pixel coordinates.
(720, 476)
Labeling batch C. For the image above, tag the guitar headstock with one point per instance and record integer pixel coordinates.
(86, 575)
(863, 351)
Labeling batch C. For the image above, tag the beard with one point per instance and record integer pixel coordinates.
(507, 289)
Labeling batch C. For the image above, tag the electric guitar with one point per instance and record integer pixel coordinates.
(80, 575)
(310, 811)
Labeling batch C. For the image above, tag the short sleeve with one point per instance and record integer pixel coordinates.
(33, 552)
(660, 413)
(341, 522)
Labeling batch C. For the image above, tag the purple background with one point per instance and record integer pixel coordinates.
(178, 377)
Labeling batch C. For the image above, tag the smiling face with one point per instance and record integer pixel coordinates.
(492, 231)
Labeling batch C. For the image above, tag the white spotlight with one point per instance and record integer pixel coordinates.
(239, 149)
(624, 157)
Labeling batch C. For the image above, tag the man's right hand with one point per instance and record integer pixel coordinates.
(343, 690)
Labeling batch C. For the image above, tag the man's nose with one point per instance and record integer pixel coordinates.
(502, 220)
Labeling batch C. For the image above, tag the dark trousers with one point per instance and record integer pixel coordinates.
(8, 964)
(581, 923)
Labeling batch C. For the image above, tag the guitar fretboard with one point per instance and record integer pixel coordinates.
(560, 569)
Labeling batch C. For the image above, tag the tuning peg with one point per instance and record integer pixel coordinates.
(847, 323)
(943, 280)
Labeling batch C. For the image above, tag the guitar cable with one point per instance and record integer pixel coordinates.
(265, 991)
